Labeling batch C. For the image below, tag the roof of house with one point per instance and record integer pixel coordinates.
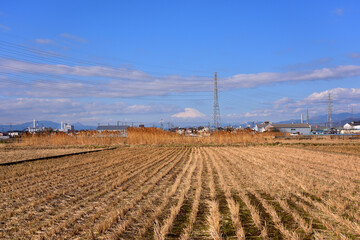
(262, 125)
(291, 125)
(111, 128)
(355, 123)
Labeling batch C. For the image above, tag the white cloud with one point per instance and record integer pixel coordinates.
(258, 79)
(109, 82)
(279, 103)
(339, 11)
(44, 41)
(342, 95)
(5, 28)
(253, 114)
(258, 113)
(316, 103)
(67, 109)
(103, 81)
(73, 37)
(88, 71)
(354, 55)
(283, 100)
(189, 113)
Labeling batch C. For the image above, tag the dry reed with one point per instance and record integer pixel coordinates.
(140, 136)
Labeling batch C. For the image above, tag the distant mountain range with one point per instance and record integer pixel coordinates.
(46, 124)
(338, 120)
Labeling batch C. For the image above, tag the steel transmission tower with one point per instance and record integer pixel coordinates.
(330, 108)
(216, 110)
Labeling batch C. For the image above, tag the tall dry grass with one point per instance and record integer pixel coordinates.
(63, 139)
(135, 136)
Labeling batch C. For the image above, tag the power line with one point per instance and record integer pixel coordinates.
(35, 55)
(45, 84)
(66, 59)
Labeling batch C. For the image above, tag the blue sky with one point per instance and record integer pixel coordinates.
(143, 61)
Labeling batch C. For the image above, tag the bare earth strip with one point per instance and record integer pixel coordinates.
(258, 192)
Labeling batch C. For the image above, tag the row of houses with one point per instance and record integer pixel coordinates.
(192, 132)
(294, 128)
(298, 129)
(305, 129)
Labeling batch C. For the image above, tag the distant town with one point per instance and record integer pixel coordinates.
(287, 129)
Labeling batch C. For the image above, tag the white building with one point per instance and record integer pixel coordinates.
(32, 130)
(352, 125)
(180, 131)
(13, 134)
(261, 127)
(68, 127)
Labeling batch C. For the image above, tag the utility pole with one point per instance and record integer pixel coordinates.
(216, 110)
(162, 124)
(352, 114)
(330, 109)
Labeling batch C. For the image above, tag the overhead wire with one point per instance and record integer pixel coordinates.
(79, 94)
(67, 59)
(102, 63)
(21, 51)
(37, 73)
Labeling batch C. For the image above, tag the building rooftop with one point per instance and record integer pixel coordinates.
(355, 123)
(264, 124)
(291, 125)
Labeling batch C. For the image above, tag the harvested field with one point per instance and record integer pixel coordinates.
(346, 148)
(262, 192)
(15, 153)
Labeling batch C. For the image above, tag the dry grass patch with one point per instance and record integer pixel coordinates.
(141, 136)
